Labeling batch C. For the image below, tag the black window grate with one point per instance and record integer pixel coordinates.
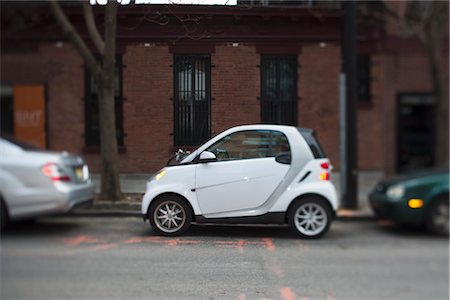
(192, 99)
(279, 89)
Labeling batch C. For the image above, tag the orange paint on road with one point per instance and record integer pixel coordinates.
(287, 294)
(239, 244)
(82, 239)
(277, 269)
(242, 297)
(160, 240)
(269, 244)
(104, 247)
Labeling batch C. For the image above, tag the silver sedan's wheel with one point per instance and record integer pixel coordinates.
(310, 218)
(170, 216)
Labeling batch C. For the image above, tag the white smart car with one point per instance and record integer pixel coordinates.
(252, 174)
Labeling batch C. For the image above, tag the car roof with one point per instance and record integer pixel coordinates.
(270, 127)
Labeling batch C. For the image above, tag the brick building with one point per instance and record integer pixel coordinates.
(186, 73)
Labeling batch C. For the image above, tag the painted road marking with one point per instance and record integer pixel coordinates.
(277, 269)
(82, 239)
(287, 294)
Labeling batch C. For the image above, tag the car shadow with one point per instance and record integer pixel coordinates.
(241, 231)
(396, 230)
(39, 227)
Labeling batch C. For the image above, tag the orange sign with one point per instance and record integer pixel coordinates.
(29, 114)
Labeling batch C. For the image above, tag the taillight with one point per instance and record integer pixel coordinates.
(55, 173)
(324, 175)
(325, 165)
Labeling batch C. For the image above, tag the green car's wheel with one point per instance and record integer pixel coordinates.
(437, 220)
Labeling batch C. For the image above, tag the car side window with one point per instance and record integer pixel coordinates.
(250, 144)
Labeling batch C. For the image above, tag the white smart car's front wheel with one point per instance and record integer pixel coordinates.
(170, 216)
(310, 217)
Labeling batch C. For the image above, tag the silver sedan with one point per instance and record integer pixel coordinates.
(34, 183)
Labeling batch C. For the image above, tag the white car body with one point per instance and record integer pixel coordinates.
(26, 191)
(256, 190)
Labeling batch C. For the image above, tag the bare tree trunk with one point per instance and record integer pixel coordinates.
(428, 20)
(108, 135)
(432, 35)
(104, 75)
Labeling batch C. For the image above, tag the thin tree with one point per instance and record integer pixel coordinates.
(428, 21)
(103, 72)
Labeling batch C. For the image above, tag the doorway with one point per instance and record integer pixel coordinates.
(415, 131)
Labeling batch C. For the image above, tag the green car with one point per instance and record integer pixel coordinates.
(416, 199)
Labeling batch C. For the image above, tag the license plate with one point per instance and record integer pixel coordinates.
(79, 172)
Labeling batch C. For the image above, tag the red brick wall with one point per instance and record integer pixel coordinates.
(60, 69)
(399, 72)
(235, 87)
(370, 123)
(319, 92)
(148, 109)
(148, 88)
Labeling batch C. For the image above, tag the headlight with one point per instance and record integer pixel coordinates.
(158, 175)
(396, 191)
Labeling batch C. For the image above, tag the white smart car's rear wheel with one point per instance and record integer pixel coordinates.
(310, 217)
(170, 216)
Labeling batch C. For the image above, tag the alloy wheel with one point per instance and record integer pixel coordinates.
(310, 219)
(169, 216)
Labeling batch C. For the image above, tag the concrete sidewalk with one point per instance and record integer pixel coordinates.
(134, 185)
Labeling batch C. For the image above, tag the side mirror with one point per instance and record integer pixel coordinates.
(206, 157)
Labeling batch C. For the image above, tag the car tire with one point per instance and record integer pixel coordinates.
(437, 219)
(310, 217)
(4, 215)
(170, 216)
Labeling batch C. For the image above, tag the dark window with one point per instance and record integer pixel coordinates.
(364, 79)
(416, 131)
(192, 99)
(313, 143)
(279, 89)
(6, 110)
(250, 144)
(92, 120)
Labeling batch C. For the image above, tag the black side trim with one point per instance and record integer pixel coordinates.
(268, 218)
(305, 176)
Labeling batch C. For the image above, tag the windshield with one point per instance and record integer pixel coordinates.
(23, 145)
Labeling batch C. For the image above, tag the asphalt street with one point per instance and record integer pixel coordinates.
(121, 258)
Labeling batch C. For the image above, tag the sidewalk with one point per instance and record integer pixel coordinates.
(133, 185)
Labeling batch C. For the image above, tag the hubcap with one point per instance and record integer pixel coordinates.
(441, 218)
(169, 216)
(311, 219)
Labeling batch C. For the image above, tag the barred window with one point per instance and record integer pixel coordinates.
(192, 99)
(279, 89)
